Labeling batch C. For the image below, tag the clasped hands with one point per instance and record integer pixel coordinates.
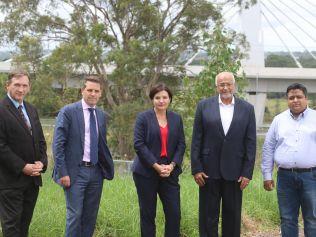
(33, 169)
(163, 170)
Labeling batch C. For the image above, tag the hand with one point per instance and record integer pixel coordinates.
(162, 170)
(243, 182)
(199, 178)
(37, 168)
(65, 181)
(268, 185)
(32, 170)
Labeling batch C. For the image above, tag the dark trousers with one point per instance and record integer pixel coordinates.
(16, 210)
(211, 195)
(168, 190)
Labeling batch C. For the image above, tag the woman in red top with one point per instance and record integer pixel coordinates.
(159, 145)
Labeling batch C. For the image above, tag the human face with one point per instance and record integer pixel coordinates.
(161, 100)
(18, 87)
(225, 87)
(91, 93)
(296, 101)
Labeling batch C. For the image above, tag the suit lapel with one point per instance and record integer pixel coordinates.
(81, 124)
(235, 115)
(13, 110)
(99, 119)
(217, 114)
(155, 124)
(171, 126)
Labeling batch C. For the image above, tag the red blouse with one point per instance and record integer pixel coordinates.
(164, 140)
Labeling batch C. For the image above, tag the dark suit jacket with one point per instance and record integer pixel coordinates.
(68, 143)
(221, 156)
(18, 146)
(147, 142)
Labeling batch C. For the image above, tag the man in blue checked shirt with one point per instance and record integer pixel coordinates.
(291, 144)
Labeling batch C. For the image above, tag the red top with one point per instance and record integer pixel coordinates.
(164, 140)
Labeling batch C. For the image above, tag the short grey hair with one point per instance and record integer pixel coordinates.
(224, 73)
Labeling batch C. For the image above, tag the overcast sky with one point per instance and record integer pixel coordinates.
(293, 20)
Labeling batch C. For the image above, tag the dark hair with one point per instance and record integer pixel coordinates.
(157, 88)
(92, 78)
(296, 86)
(17, 73)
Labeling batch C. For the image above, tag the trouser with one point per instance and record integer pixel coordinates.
(211, 195)
(16, 210)
(168, 190)
(295, 190)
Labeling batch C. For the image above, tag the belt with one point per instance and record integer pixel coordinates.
(298, 170)
(86, 164)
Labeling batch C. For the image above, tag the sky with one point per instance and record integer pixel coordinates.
(294, 21)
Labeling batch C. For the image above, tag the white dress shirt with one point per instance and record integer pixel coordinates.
(226, 112)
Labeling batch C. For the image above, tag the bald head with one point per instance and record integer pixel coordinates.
(224, 75)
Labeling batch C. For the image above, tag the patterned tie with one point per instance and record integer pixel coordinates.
(28, 125)
(93, 138)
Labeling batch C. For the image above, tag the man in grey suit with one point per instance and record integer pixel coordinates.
(222, 157)
(82, 158)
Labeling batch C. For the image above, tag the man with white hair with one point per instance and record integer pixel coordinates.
(222, 157)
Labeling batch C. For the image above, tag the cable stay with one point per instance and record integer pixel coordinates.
(294, 36)
(280, 38)
(304, 31)
(304, 18)
(307, 10)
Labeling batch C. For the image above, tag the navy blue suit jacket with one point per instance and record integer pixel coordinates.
(147, 142)
(68, 143)
(216, 154)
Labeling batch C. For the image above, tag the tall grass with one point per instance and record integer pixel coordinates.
(119, 212)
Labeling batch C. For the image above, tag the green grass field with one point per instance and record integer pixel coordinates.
(119, 213)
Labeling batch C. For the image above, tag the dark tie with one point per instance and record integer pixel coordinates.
(24, 119)
(93, 138)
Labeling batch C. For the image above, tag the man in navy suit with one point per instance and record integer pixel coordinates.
(22, 157)
(222, 157)
(82, 158)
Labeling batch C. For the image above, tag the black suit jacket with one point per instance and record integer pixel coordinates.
(18, 146)
(147, 142)
(221, 156)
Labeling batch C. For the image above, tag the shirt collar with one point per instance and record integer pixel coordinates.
(221, 102)
(85, 106)
(301, 115)
(16, 103)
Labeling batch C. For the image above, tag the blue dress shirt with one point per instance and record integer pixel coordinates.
(290, 142)
(17, 104)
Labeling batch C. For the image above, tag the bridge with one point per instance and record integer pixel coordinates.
(263, 80)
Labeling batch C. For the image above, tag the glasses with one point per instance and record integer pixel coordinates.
(223, 85)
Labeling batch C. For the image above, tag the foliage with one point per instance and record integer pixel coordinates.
(224, 55)
(132, 39)
(3, 79)
(273, 60)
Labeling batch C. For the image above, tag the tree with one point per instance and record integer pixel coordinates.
(274, 60)
(138, 37)
(225, 50)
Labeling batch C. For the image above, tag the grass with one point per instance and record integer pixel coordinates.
(119, 212)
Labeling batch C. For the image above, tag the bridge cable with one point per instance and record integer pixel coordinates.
(294, 36)
(280, 38)
(298, 14)
(304, 31)
(307, 10)
(312, 4)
